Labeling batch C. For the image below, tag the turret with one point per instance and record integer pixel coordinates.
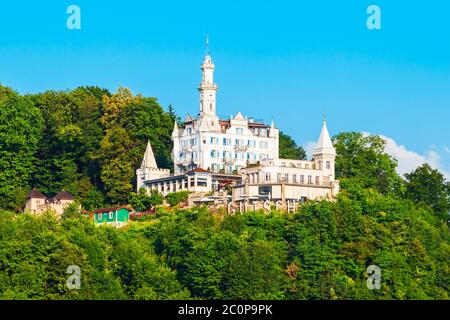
(324, 153)
(149, 169)
(207, 87)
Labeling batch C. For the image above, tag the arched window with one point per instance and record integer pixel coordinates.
(328, 165)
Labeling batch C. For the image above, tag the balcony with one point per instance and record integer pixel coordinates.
(326, 184)
(240, 148)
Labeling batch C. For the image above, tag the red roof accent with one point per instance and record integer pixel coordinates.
(64, 195)
(35, 194)
(258, 125)
(198, 170)
(111, 209)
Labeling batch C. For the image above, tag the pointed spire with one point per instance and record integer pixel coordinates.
(207, 45)
(273, 131)
(324, 144)
(188, 118)
(175, 130)
(149, 158)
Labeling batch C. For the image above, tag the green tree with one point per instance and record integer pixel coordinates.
(71, 135)
(72, 211)
(156, 198)
(363, 160)
(175, 198)
(21, 127)
(129, 121)
(428, 186)
(288, 148)
(94, 199)
(140, 201)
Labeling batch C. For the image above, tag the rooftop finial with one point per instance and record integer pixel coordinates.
(324, 117)
(207, 45)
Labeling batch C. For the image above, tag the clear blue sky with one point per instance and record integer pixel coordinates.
(288, 60)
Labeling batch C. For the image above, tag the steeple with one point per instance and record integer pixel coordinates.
(175, 130)
(149, 158)
(324, 144)
(207, 87)
(273, 130)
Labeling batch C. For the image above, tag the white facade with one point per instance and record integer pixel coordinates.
(220, 145)
(197, 181)
(209, 152)
(288, 179)
(37, 203)
(149, 169)
(150, 177)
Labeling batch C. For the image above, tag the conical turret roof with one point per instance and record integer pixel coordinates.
(149, 158)
(324, 144)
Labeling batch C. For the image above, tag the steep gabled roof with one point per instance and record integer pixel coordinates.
(64, 195)
(149, 158)
(239, 117)
(188, 118)
(35, 194)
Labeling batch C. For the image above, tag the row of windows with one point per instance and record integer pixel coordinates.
(111, 215)
(188, 155)
(226, 142)
(294, 178)
(215, 154)
(261, 132)
(181, 184)
(190, 142)
(306, 165)
(215, 167)
(238, 142)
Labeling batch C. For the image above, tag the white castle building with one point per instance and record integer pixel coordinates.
(209, 152)
(289, 179)
(220, 146)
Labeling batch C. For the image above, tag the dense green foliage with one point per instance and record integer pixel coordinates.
(175, 198)
(321, 252)
(89, 142)
(288, 148)
(36, 252)
(20, 131)
(141, 201)
(362, 160)
(85, 141)
(428, 186)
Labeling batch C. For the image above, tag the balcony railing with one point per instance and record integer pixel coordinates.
(299, 183)
(241, 147)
